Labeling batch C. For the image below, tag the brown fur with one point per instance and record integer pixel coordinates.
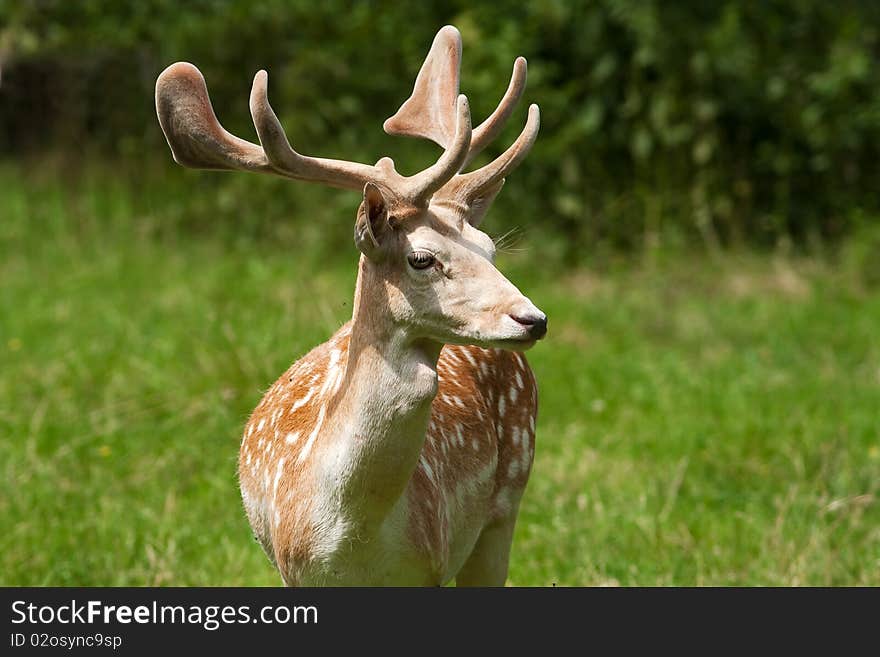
(467, 434)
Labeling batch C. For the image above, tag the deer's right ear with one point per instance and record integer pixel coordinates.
(372, 221)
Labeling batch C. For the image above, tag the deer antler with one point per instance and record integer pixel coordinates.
(475, 184)
(198, 140)
(428, 113)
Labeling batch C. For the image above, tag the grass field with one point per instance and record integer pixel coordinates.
(703, 421)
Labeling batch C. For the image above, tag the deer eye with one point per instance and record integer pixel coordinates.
(420, 259)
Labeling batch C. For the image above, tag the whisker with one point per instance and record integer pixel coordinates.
(508, 240)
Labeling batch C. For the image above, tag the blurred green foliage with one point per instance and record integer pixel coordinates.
(725, 122)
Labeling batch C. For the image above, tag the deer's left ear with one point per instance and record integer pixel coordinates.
(481, 204)
(372, 221)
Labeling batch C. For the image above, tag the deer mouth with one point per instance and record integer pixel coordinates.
(515, 344)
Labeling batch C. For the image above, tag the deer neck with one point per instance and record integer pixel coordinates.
(385, 400)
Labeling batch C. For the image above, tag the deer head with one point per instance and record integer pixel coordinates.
(423, 255)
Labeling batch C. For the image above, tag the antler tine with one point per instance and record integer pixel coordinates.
(196, 138)
(492, 126)
(473, 184)
(353, 175)
(337, 173)
(427, 182)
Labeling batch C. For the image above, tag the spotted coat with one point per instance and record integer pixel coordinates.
(475, 460)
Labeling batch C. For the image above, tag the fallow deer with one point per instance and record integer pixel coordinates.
(398, 451)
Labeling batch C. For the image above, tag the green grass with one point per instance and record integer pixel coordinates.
(703, 421)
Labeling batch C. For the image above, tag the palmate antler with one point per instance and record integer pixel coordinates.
(435, 111)
(430, 113)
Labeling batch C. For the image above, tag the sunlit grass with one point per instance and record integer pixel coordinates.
(702, 421)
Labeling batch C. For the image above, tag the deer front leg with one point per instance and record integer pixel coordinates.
(487, 564)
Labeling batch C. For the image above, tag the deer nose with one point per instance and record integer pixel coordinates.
(536, 323)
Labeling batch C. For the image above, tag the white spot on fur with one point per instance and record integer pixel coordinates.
(261, 424)
(334, 374)
(519, 380)
(513, 394)
(513, 469)
(427, 468)
(292, 437)
(467, 354)
(278, 472)
(308, 446)
(501, 406)
(299, 403)
(502, 501)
